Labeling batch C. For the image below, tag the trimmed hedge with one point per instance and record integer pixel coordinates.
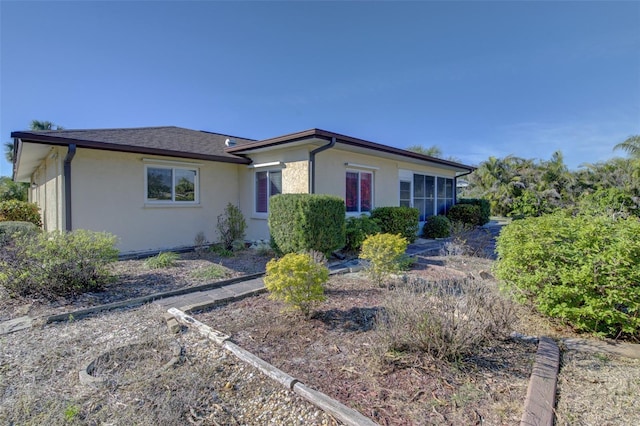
(437, 227)
(465, 213)
(401, 221)
(584, 269)
(358, 229)
(485, 207)
(302, 222)
(20, 211)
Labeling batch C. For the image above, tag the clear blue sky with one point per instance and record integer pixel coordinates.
(475, 78)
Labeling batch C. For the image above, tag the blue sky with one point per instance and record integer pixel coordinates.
(475, 78)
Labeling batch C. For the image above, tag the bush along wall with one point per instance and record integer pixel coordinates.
(484, 205)
(303, 222)
(583, 269)
(20, 211)
(401, 221)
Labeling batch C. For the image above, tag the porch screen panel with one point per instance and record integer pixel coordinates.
(423, 195)
(445, 194)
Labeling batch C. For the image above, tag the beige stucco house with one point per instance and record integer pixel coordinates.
(157, 187)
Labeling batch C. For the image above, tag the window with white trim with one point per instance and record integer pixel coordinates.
(268, 183)
(171, 185)
(359, 191)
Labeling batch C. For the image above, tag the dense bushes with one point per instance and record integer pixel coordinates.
(402, 221)
(611, 201)
(386, 255)
(20, 211)
(485, 208)
(358, 229)
(465, 213)
(584, 269)
(231, 227)
(12, 230)
(297, 280)
(300, 222)
(436, 227)
(57, 264)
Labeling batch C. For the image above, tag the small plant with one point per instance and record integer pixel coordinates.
(358, 229)
(212, 272)
(221, 251)
(11, 230)
(297, 280)
(200, 244)
(21, 211)
(437, 227)
(71, 412)
(386, 255)
(468, 214)
(167, 259)
(445, 319)
(264, 249)
(231, 226)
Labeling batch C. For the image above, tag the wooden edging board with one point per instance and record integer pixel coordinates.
(541, 394)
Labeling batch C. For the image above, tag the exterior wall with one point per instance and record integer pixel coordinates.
(331, 169)
(108, 194)
(47, 192)
(295, 179)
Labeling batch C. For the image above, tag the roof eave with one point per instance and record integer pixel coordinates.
(61, 141)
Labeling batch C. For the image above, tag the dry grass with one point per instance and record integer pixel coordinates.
(598, 389)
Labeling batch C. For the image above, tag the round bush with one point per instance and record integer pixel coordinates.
(359, 228)
(20, 211)
(437, 227)
(466, 213)
(11, 230)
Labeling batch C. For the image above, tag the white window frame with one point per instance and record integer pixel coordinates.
(256, 213)
(370, 171)
(172, 202)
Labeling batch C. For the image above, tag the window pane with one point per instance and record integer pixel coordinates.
(418, 186)
(420, 205)
(262, 196)
(159, 183)
(405, 194)
(351, 195)
(366, 196)
(185, 185)
(442, 206)
(276, 183)
(442, 188)
(429, 187)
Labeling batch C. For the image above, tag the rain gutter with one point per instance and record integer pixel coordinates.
(67, 185)
(312, 163)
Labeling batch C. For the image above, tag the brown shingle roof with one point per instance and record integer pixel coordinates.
(169, 140)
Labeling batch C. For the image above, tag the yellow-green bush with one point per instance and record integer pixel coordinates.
(20, 211)
(297, 280)
(386, 255)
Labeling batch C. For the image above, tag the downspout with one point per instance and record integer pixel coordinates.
(67, 185)
(312, 161)
(455, 185)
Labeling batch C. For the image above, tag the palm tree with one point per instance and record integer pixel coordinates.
(432, 151)
(44, 125)
(631, 145)
(8, 151)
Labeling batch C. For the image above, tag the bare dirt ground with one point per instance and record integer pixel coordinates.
(335, 352)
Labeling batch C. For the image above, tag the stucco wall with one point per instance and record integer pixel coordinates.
(331, 169)
(47, 193)
(108, 194)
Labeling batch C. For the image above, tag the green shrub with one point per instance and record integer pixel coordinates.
(398, 220)
(465, 213)
(231, 226)
(485, 207)
(386, 255)
(611, 201)
(359, 228)
(221, 251)
(445, 319)
(583, 269)
(300, 222)
(11, 230)
(297, 280)
(211, 272)
(10, 190)
(437, 227)
(20, 211)
(167, 259)
(57, 264)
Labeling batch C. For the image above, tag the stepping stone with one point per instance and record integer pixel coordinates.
(15, 324)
